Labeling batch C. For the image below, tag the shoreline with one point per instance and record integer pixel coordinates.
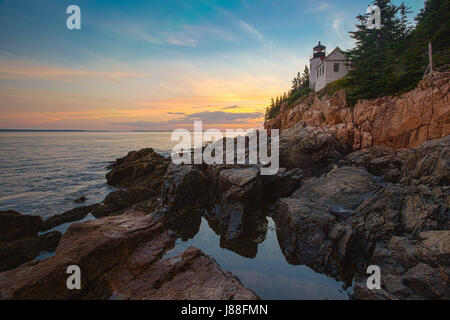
(337, 207)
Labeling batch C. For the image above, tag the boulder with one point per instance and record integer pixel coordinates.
(428, 282)
(80, 199)
(342, 189)
(309, 148)
(237, 197)
(120, 258)
(311, 224)
(15, 226)
(239, 184)
(428, 164)
(143, 168)
(436, 246)
(191, 275)
(394, 210)
(376, 218)
(68, 216)
(410, 268)
(118, 201)
(184, 187)
(281, 185)
(139, 175)
(96, 246)
(15, 253)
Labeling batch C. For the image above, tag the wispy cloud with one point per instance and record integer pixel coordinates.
(319, 6)
(181, 41)
(208, 117)
(151, 61)
(336, 24)
(19, 70)
(230, 107)
(192, 35)
(339, 25)
(252, 30)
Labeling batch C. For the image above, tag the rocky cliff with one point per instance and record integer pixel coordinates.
(398, 122)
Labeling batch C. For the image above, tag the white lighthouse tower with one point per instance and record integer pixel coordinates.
(318, 57)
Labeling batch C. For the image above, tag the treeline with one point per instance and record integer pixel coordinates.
(300, 87)
(393, 59)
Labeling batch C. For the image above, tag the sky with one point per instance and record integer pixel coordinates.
(159, 65)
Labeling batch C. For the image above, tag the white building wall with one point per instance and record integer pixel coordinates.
(326, 69)
(332, 75)
(313, 63)
(321, 78)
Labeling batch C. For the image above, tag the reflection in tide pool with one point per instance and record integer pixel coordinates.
(268, 274)
(42, 173)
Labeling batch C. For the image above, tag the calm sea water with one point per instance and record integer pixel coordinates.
(41, 173)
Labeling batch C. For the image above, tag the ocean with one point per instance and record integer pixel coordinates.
(42, 173)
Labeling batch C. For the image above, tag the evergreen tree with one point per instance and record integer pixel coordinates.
(374, 59)
(305, 78)
(433, 25)
(390, 60)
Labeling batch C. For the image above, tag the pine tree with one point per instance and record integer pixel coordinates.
(374, 64)
(294, 84)
(305, 78)
(433, 25)
(390, 60)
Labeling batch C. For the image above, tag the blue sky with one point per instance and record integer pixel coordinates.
(154, 64)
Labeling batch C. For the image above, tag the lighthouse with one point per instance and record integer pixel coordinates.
(325, 69)
(318, 56)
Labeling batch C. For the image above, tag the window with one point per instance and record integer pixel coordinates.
(336, 67)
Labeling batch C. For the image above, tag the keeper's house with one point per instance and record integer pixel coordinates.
(326, 68)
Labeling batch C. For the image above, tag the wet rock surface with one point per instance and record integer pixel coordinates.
(310, 148)
(139, 176)
(15, 253)
(346, 197)
(68, 216)
(312, 224)
(138, 168)
(191, 275)
(412, 268)
(377, 206)
(19, 239)
(120, 258)
(15, 226)
(386, 227)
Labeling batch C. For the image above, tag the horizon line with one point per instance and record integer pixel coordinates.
(79, 130)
